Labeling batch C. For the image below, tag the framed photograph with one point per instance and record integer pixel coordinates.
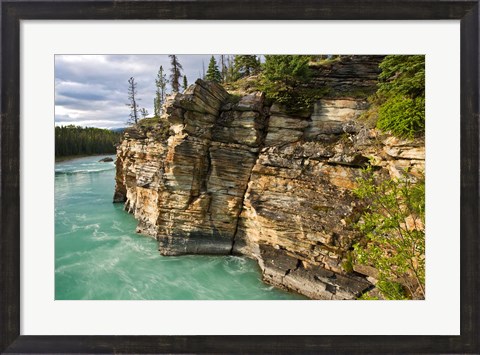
(327, 151)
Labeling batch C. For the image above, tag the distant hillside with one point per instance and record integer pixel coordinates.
(118, 130)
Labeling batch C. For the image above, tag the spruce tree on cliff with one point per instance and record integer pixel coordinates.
(132, 97)
(282, 80)
(245, 65)
(161, 84)
(288, 71)
(213, 74)
(185, 83)
(401, 95)
(176, 73)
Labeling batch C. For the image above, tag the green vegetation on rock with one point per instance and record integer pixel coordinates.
(403, 116)
(160, 127)
(392, 223)
(283, 80)
(400, 98)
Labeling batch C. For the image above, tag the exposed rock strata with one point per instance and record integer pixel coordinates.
(244, 178)
(352, 75)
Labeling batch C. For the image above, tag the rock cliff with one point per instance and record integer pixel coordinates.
(221, 174)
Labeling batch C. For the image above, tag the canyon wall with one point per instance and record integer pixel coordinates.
(222, 174)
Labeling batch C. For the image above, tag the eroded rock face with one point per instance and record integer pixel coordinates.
(187, 191)
(349, 76)
(240, 177)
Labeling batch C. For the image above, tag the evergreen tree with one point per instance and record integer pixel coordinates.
(132, 97)
(185, 83)
(213, 74)
(282, 80)
(144, 112)
(176, 73)
(401, 95)
(245, 65)
(286, 71)
(161, 84)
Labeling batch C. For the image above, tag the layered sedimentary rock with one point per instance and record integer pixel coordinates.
(350, 75)
(187, 190)
(227, 175)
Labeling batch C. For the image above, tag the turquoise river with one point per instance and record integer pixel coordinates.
(98, 255)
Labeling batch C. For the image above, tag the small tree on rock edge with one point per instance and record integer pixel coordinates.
(213, 74)
(176, 73)
(132, 97)
(282, 79)
(161, 84)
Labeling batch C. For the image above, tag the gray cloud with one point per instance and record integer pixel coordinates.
(92, 90)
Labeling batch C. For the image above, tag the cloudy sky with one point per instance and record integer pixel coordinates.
(92, 90)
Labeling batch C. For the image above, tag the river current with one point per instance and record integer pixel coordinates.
(98, 255)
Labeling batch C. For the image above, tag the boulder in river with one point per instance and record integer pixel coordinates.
(106, 160)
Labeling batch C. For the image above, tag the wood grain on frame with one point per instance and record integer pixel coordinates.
(13, 12)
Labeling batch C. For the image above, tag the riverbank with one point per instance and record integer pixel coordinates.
(73, 157)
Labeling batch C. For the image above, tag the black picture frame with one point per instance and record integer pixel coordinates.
(12, 12)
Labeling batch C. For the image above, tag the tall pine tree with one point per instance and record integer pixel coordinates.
(213, 74)
(245, 65)
(176, 73)
(132, 97)
(161, 84)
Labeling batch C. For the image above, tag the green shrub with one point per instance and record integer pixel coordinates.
(282, 80)
(400, 98)
(392, 224)
(402, 75)
(347, 265)
(148, 122)
(391, 290)
(403, 116)
(368, 297)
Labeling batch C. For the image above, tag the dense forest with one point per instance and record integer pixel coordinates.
(74, 140)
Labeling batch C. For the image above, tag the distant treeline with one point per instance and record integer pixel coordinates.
(74, 140)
